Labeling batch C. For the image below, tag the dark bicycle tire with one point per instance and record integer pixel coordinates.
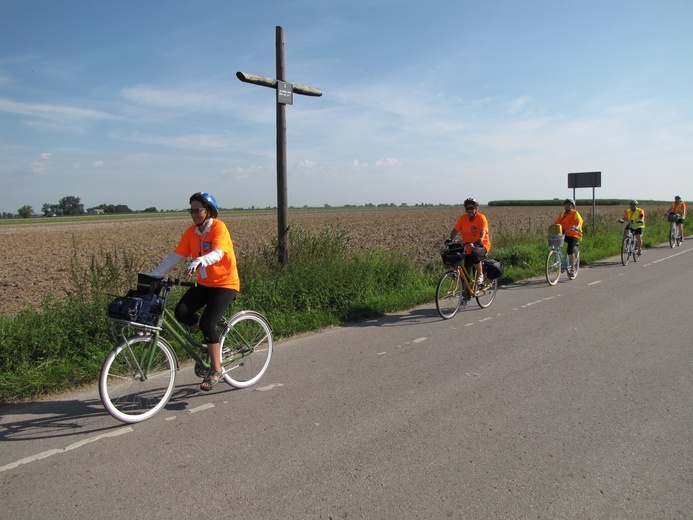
(449, 294)
(625, 251)
(485, 296)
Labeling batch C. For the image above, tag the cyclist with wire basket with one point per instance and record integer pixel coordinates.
(208, 243)
(473, 227)
(635, 217)
(678, 208)
(571, 221)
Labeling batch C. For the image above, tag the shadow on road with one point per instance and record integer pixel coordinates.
(63, 418)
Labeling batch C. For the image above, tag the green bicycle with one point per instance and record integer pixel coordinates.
(138, 376)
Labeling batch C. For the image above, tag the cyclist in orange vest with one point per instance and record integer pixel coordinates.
(473, 227)
(678, 207)
(571, 221)
(636, 217)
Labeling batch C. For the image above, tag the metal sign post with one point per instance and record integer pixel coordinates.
(285, 92)
(587, 180)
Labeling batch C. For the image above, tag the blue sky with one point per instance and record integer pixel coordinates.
(137, 102)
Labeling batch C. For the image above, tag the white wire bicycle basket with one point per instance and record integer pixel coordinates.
(556, 241)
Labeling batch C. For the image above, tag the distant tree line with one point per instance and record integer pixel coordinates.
(70, 206)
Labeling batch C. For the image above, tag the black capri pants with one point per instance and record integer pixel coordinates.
(215, 300)
(572, 243)
(477, 254)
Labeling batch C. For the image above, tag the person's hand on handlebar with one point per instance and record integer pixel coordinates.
(192, 267)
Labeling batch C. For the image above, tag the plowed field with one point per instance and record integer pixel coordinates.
(35, 257)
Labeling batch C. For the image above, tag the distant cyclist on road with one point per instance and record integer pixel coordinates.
(679, 208)
(473, 227)
(635, 216)
(571, 221)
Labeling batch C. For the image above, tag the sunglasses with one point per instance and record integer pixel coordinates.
(194, 211)
(469, 208)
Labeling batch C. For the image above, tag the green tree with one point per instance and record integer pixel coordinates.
(70, 206)
(25, 211)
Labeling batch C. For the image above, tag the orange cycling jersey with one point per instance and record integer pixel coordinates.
(194, 243)
(679, 208)
(471, 230)
(568, 219)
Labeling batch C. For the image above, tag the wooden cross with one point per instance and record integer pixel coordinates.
(284, 96)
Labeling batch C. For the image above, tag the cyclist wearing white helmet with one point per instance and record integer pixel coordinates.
(635, 217)
(572, 222)
(209, 244)
(678, 208)
(473, 227)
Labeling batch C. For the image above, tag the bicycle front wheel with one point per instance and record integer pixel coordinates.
(246, 348)
(449, 294)
(553, 267)
(672, 238)
(137, 378)
(487, 293)
(625, 251)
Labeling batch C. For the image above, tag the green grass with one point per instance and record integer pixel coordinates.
(63, 344)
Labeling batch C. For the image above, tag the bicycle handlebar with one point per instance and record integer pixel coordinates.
(170, 282)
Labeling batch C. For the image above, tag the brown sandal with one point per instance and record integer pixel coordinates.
(210, 381)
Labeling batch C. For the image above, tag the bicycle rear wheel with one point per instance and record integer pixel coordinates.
(137, 378)
(553, 267)
(573, 274)
(487, 294)
(246, 348)
(625, 251)
(449, 294)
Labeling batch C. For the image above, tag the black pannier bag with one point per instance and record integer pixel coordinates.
(493, 268)
(136, 307)
(454, 254)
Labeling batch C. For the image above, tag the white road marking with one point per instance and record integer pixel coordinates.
(45, 454)
(382, 353)
(671, 256)
(269, 387)
(201, 408)
(484, 319)
(594, 283)
(419, 340)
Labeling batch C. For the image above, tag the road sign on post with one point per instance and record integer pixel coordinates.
(587, 180)
(285, 91)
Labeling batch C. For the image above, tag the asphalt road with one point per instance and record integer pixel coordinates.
(573, 401)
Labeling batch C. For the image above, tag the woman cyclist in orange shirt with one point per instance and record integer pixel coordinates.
(209, 244)
(571, 221)
(678, 207)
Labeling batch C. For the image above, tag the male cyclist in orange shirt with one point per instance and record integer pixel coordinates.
(679, 208)
(571, 221)
(473, 227)
(636, 219)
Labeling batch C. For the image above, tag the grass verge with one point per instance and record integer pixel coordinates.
(63, 344)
